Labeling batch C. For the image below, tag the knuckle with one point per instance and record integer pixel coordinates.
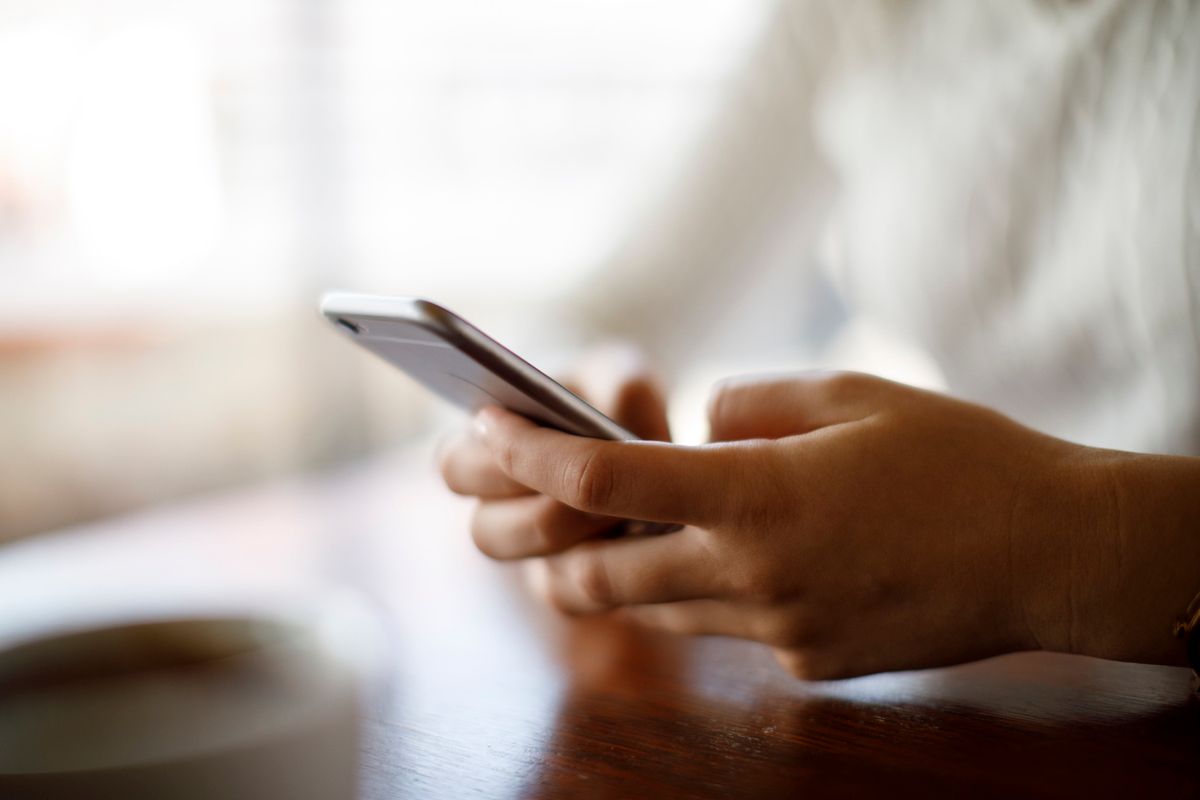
(813, 664)
(552, 586)
(591, 480)
(724, 494)
(758, 479)
(795, 662)
(802, 664)
(481, 533)
(556, 599)
(591, 579)
(504, 454)
(755, 580)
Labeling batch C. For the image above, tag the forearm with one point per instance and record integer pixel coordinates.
(1127, 558)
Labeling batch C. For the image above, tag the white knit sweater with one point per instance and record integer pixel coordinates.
(1013, 186)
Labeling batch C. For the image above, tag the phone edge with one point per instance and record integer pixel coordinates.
(484, 349)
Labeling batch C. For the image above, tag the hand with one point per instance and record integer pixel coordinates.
(853, 524)
(512, 520)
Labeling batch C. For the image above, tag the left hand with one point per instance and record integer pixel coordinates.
(853, 524)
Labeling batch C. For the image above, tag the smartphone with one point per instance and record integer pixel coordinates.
(462, 364)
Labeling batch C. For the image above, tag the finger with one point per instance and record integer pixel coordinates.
(632, 480)
(775, 406)
(619, 381)
(694, 618)
(777, 626)
(468, 468)
(601, 575)
(537, 525)
(816, 664)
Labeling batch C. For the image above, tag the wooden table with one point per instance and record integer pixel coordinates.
(486, 694)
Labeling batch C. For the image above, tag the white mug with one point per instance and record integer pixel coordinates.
(227, 708)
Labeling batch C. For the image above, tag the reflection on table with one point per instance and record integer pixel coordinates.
(485, 693)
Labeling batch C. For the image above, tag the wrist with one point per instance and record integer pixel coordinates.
(1053, 520)
(1118, 538)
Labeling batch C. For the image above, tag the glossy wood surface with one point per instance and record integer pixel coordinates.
(485, 694)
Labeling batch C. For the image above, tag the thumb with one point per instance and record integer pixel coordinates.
(774, 406)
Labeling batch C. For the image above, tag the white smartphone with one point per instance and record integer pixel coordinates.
(461, 363)
(464, 365)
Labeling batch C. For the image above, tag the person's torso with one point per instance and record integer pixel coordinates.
(1020, 194)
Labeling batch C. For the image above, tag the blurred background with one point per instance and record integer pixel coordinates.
(180, 179)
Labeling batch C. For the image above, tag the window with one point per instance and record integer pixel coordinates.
(154, 151)
(179, 179)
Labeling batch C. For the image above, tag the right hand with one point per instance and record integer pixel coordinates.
(511, 520)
